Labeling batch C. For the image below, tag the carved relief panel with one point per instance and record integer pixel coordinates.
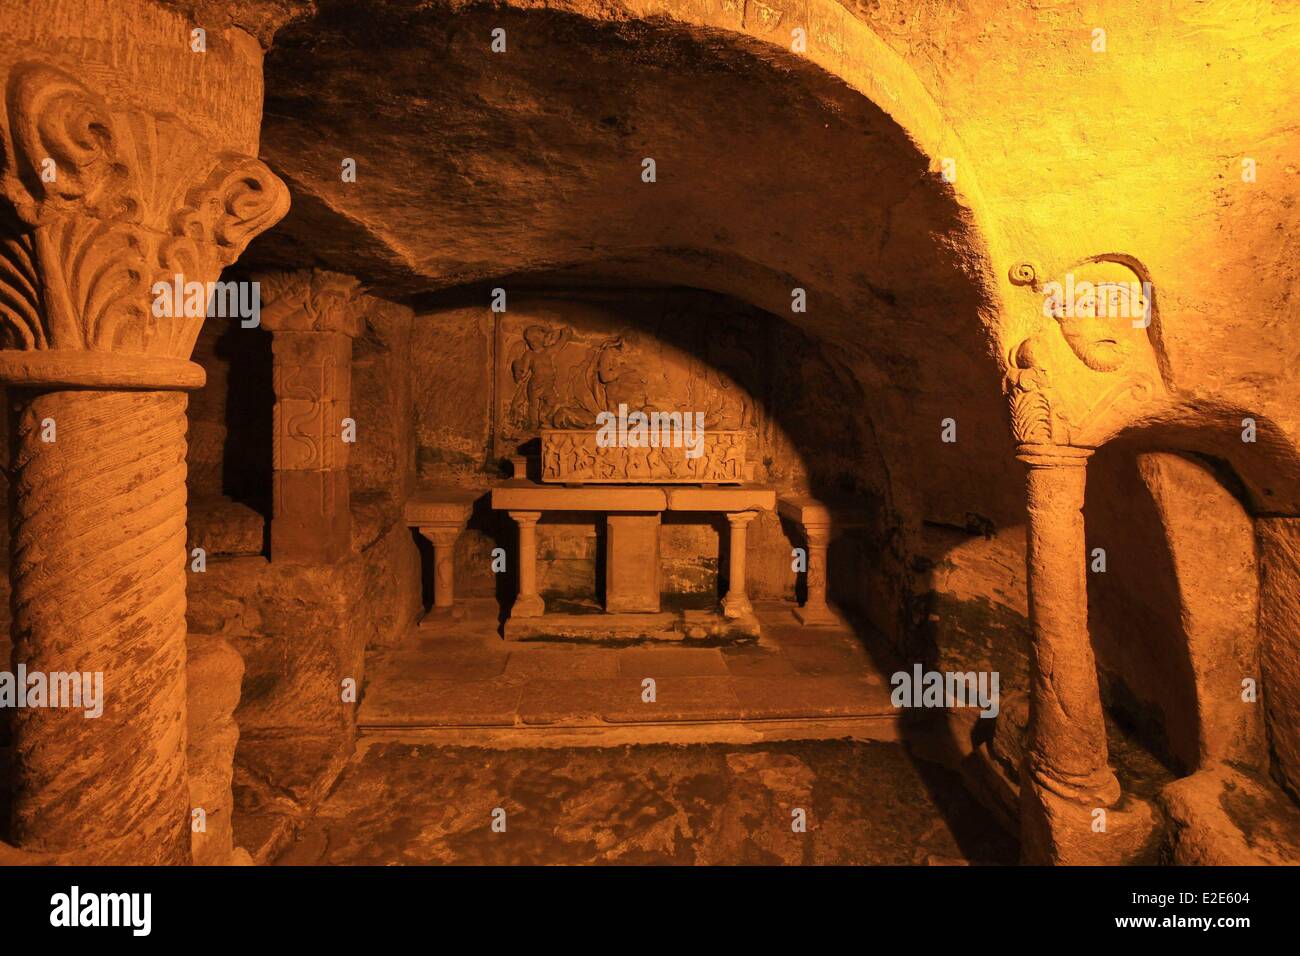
(562, 374)
(579, 457)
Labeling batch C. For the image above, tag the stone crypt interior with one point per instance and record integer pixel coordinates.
(393, 633)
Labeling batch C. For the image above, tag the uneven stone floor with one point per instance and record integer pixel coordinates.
(864, 802)
(461, 674)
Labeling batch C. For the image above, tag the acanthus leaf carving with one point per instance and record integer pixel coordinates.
(239, 199)
(134, 200)
(1028, 384)
(53, 116)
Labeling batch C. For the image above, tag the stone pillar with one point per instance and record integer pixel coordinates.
(1278, 546)
(529, 602)
(736, 603)
(313, 318)
(1067, 772)
(444, 541)
(632, 563)
(94, 348)
(215, 676)
(815, 610)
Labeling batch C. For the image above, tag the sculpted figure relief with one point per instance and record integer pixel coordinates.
(1072, 384)
(579, 456)
(554, 375)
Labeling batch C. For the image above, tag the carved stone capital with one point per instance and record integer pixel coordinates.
(525, 519)
(1087, 365)
(818, 535)
(311, 300)
(1053, 456)
(442, 536)
(102, 205)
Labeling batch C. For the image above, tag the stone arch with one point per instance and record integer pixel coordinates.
(845, 47)
(925, 321)
(849, 50)
(1260, 479)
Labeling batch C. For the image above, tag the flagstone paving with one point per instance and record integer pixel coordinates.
(462, 674)
(863, 803)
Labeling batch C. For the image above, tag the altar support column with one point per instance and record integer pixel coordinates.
(313, 318)
(736, 603)
(632, 576)
(815, 610)
(529, 602)
(443, 538)
(1067, 773)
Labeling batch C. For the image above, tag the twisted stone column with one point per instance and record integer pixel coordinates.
(1067, 773)
(98, 574)
(96, 361)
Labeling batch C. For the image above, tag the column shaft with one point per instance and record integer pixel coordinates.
(815, 610)
(736, 603)
(529, 602)
(1067, 755)
(99, 575)
(444, 564)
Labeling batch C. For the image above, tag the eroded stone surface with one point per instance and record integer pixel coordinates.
(712, 804)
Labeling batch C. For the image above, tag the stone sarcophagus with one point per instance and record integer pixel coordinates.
(590, 456)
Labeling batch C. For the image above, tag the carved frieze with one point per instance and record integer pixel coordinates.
(553, 374)
(580, 456)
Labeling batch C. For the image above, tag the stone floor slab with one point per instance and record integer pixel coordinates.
(711, 804)
(780, 697)
(571, 663)
(661, 662)
(414, 701)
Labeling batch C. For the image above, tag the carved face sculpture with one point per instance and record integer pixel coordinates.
(537, 337)
(1103, 305)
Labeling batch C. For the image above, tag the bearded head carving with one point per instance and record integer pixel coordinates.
(1100, 307)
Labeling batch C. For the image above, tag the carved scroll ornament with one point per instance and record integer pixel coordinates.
(102, 205)
(1079, 383)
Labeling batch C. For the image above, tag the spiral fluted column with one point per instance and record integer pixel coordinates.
(99, 266)
(98, 572)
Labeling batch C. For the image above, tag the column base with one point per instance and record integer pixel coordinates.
(1056, 831)
(437, 614)
(734, 607)
(819, 615)
(528, 606)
